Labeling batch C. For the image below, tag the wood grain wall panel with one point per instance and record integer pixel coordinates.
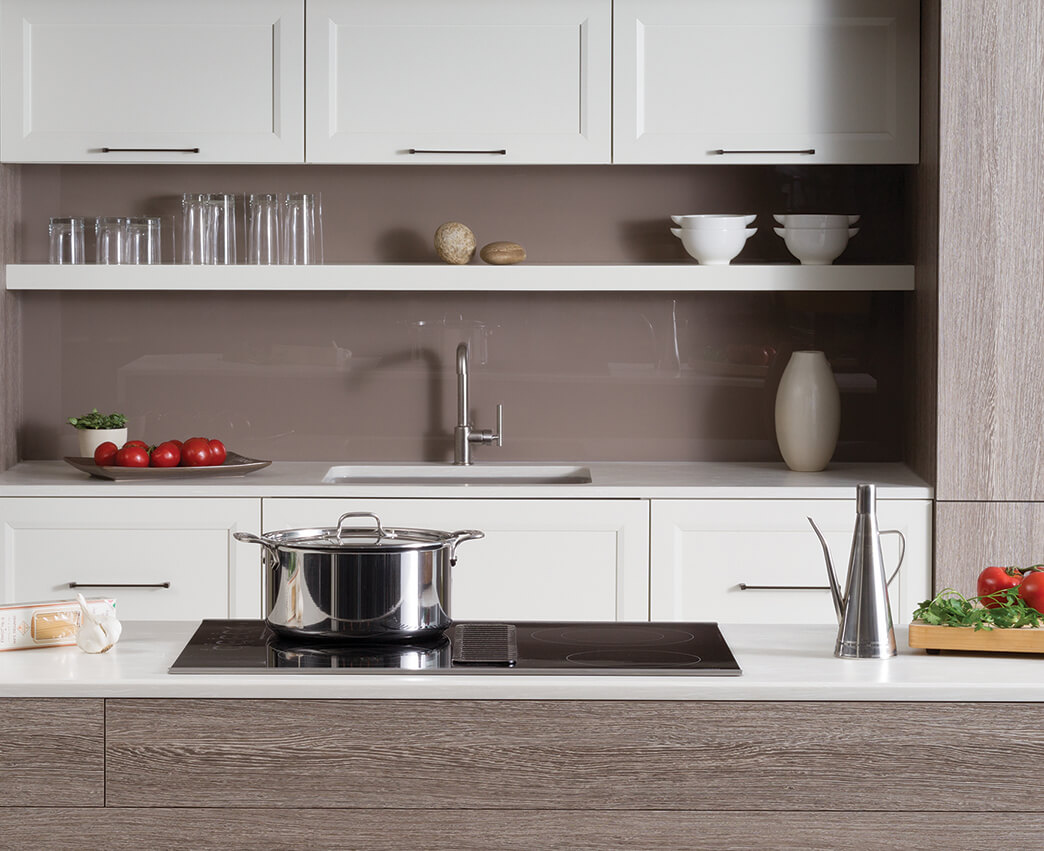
(480, 830)
(921, 329)
(10, 319)
(562, 754)
(51, 753)
(991, 254)
(972, 535)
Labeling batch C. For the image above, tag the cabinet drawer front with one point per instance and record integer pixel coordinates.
(839, 78)
(705, 551)
(539, 560)
(129, 549)
(52, 752)
(458, 82)
(226, 78)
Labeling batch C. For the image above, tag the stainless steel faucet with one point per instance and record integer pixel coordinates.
(464, 435)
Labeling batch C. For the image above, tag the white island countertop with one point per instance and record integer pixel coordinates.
(780, 663)
(609, 480)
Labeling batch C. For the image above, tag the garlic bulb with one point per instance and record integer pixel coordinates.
(97, 632)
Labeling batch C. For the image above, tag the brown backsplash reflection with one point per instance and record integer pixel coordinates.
(349, 376)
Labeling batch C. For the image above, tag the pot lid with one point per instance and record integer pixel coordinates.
(367, 539)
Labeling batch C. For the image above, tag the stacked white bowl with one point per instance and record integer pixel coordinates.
(816, 239)
(713, 239)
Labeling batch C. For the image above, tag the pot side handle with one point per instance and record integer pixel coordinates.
(251, 538)
(459, 537)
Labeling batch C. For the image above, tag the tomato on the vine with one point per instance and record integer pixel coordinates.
(166, 454)
(105, 454)
(994, 580)
(1031, 590)
(217, 452)
(196, 453)
(132, 456)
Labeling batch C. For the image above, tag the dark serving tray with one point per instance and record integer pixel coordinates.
(235, 465)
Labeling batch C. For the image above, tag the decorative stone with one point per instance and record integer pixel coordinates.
(502, 253)
(455, 243)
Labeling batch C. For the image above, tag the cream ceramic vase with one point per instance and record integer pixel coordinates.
(92, 438)
(808, 412)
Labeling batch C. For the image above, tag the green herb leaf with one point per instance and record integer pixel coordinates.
(950, 608)
(95, 420)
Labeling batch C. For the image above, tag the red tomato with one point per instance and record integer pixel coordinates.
(994, 579)
(217, 452)
(177, 443)
(1032, 590)
(105, 454)
(196, 453)
(140, 443)
(165, 455)
(132, 456)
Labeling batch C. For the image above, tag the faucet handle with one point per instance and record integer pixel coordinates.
(500, 425)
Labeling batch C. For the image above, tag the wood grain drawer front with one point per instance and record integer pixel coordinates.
(134, 829)
(51, 753)
(561, 755)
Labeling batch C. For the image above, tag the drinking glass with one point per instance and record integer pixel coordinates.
(143, 240)
(263, 235)
(193, 228)
(111, 239)
(66, 234)
(302, 229)
(220, 225)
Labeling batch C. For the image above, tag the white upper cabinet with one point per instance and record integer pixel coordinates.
(460, 81)
(766, 81)
(195, 81)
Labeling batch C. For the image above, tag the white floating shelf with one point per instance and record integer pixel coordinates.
(440, 277)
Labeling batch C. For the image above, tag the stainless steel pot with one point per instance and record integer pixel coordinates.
(370, 584)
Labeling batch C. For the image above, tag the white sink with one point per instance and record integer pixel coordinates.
(448, 474)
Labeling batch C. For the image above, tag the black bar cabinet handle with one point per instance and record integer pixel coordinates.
(150, 150)
(119, 585)
(721, 151)
(447, 151)
(743, 586)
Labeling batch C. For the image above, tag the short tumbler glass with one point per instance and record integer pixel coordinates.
(66, 233)
(302, 229)
(111, 239)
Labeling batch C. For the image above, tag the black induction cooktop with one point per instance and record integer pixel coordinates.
(471, 647)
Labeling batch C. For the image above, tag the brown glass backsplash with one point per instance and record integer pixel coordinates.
(588, 376)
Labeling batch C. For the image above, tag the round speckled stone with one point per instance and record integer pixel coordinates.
(455, 243)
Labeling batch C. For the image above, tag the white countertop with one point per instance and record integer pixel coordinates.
(778, 662)
(619, 480)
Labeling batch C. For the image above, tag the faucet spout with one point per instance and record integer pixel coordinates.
(465, 434)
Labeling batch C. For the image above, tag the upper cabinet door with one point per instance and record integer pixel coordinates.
(459, 81)
(152, 81)
(765, 81)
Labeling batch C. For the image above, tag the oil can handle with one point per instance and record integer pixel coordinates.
(902, 551)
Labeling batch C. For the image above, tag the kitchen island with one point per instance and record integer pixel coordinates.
(801, 751)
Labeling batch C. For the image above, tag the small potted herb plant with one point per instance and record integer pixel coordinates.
(94, 429)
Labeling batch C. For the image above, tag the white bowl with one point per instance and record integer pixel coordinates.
(713, 220)
(817, 220)
(816, 246)
(714, 246)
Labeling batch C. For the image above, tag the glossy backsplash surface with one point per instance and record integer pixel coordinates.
(370, 376)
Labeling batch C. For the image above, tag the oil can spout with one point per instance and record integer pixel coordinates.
(835, 589)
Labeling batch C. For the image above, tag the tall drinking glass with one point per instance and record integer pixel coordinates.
(263, 234)
(220, 222)
(66, 234)
(193, 227)
(302, 229)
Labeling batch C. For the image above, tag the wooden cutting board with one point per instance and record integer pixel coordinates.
(935, 638)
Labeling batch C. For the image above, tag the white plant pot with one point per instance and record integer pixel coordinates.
(92, 438)
(808, 412)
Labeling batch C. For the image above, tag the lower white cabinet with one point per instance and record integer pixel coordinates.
(161, 559)
(758, 561)
(540, 559)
